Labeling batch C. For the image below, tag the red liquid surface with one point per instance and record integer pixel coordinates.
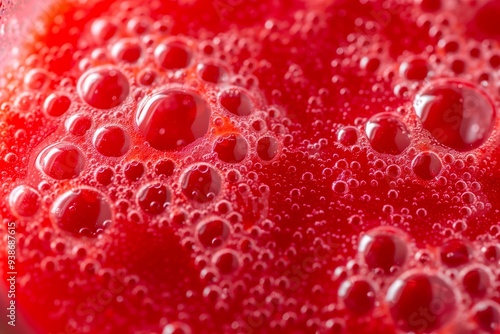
(255, 167)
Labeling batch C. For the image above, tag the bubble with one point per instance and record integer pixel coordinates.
(370, 64)
(383, 248)
(139, 25)
(387, 134)
(104, 175)
(126, 50)
(211, 72)
(173, 118)
(177, 327)
(10, 158)
(236, 101)
(24, 201)
(415, 69)
(164, 167)
(421, 303)
(358, 295)
(173, 55)
(24, 101)
(201, 183)
(111, 141)
(456, 114)
(335, 326)
(426, 165)
(459, 226)
(226, 261)
(103, 30)
(491, 253)
(455, 252)
(134, 171)
(458, 66)
(475, 281)
(348, 136)
(486, 315)
(147, 76)
(56, 105)
(153, 198)
(449, 45)
(103, 88)
(61, 161)
(468, 198)
(37, 79)
(81, 212)
(340, 187)
(78, 124)
(267, 148)
(495, 61)
(231, 148)
(213, 232)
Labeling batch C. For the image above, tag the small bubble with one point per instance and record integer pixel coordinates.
(56, 105)
(147, 77)
(173, 55)
(486, 315)
(358, 295)
(347, 136)
(37, 79)
(370, 64)
(103, 29)
(384, 248)
(24, 201)
(153, 198)
(103, 88)
(476, 281)
(231, 148)
(340, 187)
(213, 232)
(134, 171)
(126, 50)
(387, 134)
(267, 148)
(61, 161)
(24, 101)
(201, 183)
(455, 253)
(104, 175)
(211, 72)
(415, 69)
(165, 167)
(458, 66)
(111, 141)
(139, 25)
(491, 253)
(173, 118)
(236, 101)
(426, 165)
(81, 212)
(226, 261)
(176, 327)
(78, 124)
(11, 158)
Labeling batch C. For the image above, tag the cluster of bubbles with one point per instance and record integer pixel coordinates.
(185, 109)
(158, 129)
(423, 289)
(447, 123)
